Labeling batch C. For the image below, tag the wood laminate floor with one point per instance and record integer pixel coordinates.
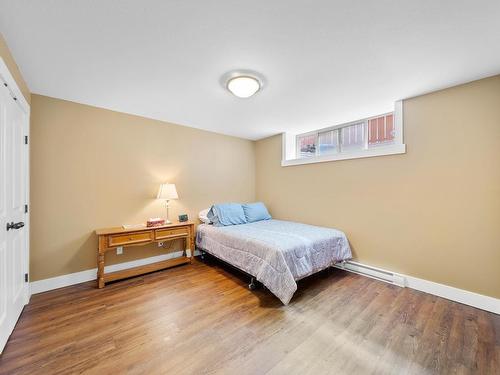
(201, 318)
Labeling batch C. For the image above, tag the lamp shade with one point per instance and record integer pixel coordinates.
(167, 191)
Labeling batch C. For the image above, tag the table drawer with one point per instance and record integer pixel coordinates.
(171, 233)
(130, 239)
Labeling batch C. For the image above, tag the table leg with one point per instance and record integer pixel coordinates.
(100, 270)
(190, 242)
(101, 250)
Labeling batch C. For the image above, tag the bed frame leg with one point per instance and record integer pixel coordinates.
(252, 285)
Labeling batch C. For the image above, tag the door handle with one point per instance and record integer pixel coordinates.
(13, 225)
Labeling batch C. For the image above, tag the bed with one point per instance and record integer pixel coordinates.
(277, 253)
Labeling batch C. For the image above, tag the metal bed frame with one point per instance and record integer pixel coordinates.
(254, 283)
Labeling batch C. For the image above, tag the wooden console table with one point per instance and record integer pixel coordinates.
(111, 238)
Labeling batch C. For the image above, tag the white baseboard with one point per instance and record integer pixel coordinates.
(89, 275)
(454, 294)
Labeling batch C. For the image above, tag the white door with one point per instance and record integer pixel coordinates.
(14, 286)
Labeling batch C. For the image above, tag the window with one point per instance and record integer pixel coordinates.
(306, 145)
(381, 130)
(374, 136)
(328, 142)
(353, 137)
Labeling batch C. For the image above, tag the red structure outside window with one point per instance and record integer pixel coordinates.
(381, 130)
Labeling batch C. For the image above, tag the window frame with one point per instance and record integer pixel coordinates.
(290, 146)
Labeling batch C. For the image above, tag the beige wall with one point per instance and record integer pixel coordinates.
(13, 68)
(93, 168)
(433, 212)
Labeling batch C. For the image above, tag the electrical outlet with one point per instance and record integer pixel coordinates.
(160, 244)
(119, 250)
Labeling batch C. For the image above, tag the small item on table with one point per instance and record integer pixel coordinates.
(183, 218)
(154, 222)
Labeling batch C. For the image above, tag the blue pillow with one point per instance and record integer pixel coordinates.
(256, 212)
(227, 214)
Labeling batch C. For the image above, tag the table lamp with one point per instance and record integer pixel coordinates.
(167, 192)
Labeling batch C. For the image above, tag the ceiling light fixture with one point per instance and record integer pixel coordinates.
(243, 83)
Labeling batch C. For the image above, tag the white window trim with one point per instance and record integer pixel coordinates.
(289, 146)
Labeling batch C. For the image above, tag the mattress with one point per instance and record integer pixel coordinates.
(276, 252)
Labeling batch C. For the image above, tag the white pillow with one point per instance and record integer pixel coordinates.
(203, 216)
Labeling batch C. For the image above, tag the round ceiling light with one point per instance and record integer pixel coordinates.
(243, 84)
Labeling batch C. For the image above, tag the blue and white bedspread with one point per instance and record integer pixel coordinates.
(277, 253)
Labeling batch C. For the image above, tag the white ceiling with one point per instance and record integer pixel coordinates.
(325, 62)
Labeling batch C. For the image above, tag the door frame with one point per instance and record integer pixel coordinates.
(6, 78)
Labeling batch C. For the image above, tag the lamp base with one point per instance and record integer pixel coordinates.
(167, 221)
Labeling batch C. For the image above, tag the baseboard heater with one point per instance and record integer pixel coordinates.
(374, 273)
